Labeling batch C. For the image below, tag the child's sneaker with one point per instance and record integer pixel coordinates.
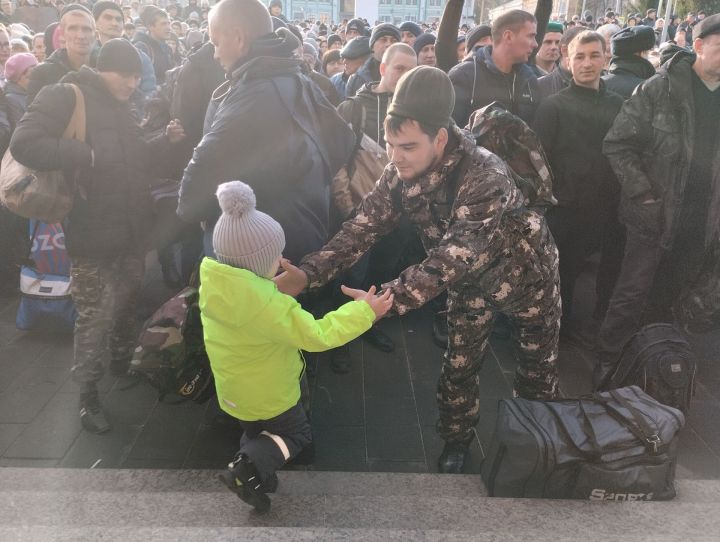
(242, 478)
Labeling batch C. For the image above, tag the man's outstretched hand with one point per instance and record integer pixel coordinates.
(292, 280)
(380, 304)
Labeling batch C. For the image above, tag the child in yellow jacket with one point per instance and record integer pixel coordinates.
(253, 336)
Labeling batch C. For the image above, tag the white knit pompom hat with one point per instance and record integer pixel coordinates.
(243, 236)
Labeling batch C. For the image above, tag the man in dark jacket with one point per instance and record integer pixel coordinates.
(382, 37)
(663, 147)
(354, 55)
(572, 125)
(628, 65)
(108, 224)
(153, 42)
(499, 73)
(78, 28)
(268, 126)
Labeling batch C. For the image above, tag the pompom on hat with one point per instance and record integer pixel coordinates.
(243, 236)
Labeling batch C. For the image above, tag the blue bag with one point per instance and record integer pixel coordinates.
(45, 300)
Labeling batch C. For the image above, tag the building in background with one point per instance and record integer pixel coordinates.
(388, 11)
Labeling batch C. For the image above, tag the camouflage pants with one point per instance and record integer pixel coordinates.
(531, 301)
(106, 294)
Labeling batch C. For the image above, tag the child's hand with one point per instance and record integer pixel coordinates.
(380, 304)
(292, 281)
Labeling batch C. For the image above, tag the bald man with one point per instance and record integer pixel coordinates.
(269, 126)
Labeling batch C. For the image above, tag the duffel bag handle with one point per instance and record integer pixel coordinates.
(640, 428)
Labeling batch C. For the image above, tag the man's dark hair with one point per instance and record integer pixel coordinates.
(393, 124)
(570, 35)
(152, 14)
(513, 20)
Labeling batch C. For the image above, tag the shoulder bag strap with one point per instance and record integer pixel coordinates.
(78, 123)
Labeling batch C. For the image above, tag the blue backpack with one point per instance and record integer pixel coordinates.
(45, 301)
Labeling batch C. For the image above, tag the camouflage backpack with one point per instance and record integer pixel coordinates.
(507, 136)
(171, 351)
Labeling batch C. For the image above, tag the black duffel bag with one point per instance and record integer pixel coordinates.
(660, 360)
(618, 446)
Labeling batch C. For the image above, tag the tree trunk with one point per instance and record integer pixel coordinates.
(542, 14)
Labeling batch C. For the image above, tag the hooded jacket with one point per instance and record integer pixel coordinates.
(111, 214)
(478, 82)
(650, 147)
(253, 336)
(626, 73)
(48, 72)
(553, 82)
(271, 127)
(375, 106)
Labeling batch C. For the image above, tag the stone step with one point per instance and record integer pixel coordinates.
(74, 504)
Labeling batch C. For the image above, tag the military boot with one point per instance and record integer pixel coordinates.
(453, 457)
(242, 478)
(91, 415)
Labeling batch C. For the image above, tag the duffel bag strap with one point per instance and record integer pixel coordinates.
(638, 426)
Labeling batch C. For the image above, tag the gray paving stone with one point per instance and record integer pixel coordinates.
(29, 394)
(340, 448)
(51, 434)
(102, 451)
(8, 433)
(390, 410)
(396, 443)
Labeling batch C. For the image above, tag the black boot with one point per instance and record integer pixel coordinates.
(453, 457)
(378, 339)
(242, 478)
(440, 329)
(305, 457)
(340, 360)
(91, 415)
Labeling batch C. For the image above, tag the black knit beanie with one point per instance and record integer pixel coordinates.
(104, 5)
(119, 56)
(424, 94)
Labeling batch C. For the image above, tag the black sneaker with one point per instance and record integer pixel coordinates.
(453, 457)
(242, 478)
(340, 360)
(91, 414)
(440, 329)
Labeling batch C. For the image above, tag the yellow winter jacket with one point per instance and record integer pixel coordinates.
(253, 334)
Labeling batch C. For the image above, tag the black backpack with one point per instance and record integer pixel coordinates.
(661, 362)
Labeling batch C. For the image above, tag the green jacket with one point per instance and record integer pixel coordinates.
(253, 334)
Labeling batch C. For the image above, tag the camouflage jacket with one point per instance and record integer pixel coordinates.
(650, 148)
(473, 228)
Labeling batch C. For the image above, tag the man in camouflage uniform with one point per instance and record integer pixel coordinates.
(491, 253)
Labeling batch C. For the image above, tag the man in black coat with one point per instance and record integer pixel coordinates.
(572, 125)
(628, 65)
(107, 227)
(269, 126)
(498, 72)
(153, 42)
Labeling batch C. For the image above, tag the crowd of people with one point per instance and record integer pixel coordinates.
(296, 156)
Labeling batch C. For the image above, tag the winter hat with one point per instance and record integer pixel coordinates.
(193, 38)
(333, 38)
(308, 49)
(633, 39)
(555, 27)
(104, 5)
(476, 34)
(706, 27)
(243, 236)
(357, 25)
(74, 7)
(119, 56)
(356, 48)
(413, 28)
(423, 40)
(384, 29)
(274, 3)
(424, 94)
(18, 64)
